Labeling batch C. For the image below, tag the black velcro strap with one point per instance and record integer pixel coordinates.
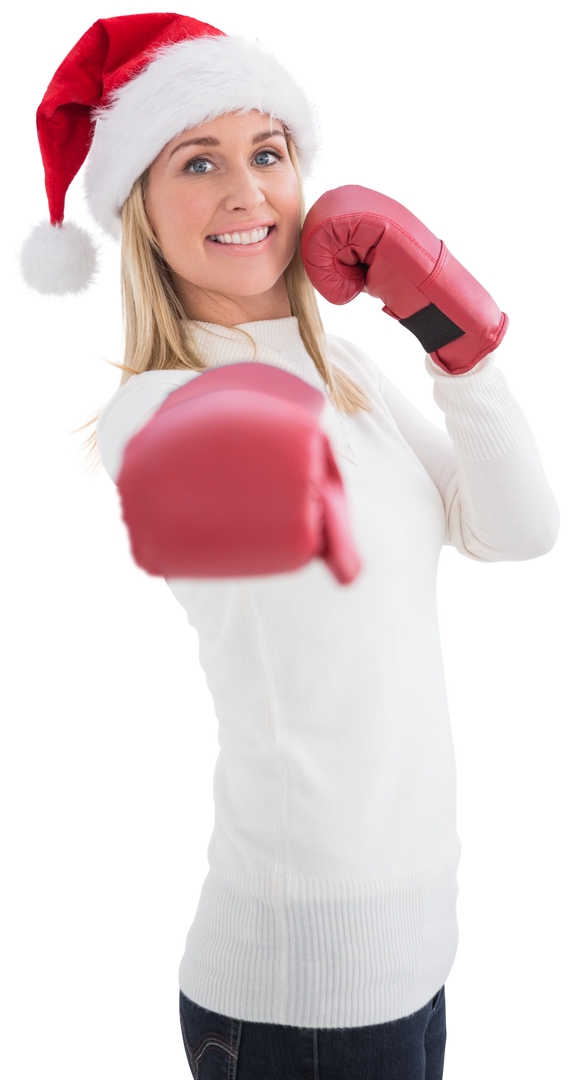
(432, 328)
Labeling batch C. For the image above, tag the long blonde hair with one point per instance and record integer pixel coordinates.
(159, 334)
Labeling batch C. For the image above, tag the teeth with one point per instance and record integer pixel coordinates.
(253, 237)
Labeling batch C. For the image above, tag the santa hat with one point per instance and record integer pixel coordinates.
(129, 86)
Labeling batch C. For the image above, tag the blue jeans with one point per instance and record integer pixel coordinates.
(220, 1048)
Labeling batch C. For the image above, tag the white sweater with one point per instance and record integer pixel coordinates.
(331, 895)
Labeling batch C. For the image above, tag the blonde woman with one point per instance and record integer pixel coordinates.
(326, 926)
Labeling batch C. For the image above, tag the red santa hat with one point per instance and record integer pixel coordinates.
(127, 87)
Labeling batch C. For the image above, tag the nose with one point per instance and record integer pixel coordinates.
(243, 191)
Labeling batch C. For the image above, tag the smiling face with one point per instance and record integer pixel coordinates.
(223, 202)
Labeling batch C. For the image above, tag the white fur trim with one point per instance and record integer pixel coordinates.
(58, 259)
(183, 86)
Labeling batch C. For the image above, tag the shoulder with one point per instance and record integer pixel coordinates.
(146, 389)
(130, 408)
(357, 363)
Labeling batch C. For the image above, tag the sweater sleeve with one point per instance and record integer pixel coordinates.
(497, 500)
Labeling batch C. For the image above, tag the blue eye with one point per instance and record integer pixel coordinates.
(266, 154)
(198, 166)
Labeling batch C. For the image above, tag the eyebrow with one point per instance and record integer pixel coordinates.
(208, 140)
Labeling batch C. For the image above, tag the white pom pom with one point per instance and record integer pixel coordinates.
(58, 259)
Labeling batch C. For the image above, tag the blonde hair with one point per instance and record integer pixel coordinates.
(158, 332)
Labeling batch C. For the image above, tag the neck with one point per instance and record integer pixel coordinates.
(206, 306)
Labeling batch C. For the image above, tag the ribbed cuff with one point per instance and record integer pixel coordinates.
(483, 418)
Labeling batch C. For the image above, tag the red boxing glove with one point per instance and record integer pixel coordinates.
(233, 476)
(357, 240)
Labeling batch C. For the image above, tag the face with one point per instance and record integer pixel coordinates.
(223, 201)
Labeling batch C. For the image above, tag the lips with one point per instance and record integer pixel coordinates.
(244, 226)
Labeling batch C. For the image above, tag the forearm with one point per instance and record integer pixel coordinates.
(499, 505)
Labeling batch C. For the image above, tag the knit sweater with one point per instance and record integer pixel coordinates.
(330, 899)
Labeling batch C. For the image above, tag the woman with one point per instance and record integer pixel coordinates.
(326, 927)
